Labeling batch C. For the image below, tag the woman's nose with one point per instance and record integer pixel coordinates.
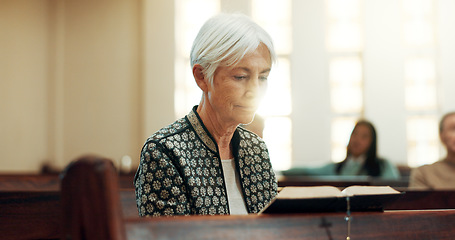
(253, 87)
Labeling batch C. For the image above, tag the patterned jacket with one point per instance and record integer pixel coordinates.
(180, 172)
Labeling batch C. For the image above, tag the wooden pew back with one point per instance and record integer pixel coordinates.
(38, 215)
(90, 200)
(46, 182)
(30, 215)
(29, 182)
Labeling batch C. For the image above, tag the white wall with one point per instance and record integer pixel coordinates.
(24, 45)
(100, 78)
(310, 96)
(157, 66)
(446, 37)
(383, 77)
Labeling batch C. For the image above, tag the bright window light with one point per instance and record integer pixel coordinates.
(274, 11)
(277, 100)
(344, 36)
(343, 9)
(420, 84)
(275, 17)
(423, 140)
(345, 70)
(188, 21)
(344, 28)
(417, 8)
(345, 46)
(341, 131)
(345, 75)
(279, 142)
(418, 32)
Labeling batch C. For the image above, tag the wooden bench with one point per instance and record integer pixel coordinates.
(373, 225)
(30, 215)
(47, 182)
(29, 182)
(93, 211)
(33, 211)
(30, 205)
(424, 200)
(339, 181)
(38, 215)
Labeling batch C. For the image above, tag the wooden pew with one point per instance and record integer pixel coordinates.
(29, 182)
(90, 200)
(30, 205)
(424, 199)
(373, 225)
(97, 204)
(47, 182)
(339, 181)
(30, 215)
(37, 214)
(32, 211)
(336, 181)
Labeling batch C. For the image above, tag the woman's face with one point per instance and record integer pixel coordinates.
(237, 90)
(360, 141)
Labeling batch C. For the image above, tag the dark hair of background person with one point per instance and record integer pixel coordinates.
(371, 164)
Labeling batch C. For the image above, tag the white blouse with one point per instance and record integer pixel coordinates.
(237, 204)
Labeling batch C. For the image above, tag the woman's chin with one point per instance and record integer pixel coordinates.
(246, 119)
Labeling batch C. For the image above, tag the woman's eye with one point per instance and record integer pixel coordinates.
(263, 78)
(240, 77)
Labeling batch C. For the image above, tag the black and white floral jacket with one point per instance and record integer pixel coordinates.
(180, 171)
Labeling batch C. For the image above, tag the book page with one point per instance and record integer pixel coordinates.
(309, 192)
(368, 190)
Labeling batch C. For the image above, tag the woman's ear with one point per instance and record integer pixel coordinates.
(200, 78)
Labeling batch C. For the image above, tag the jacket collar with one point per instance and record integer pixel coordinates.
(200, 129)
(205, 136)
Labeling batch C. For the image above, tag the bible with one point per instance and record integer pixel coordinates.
(331, 199)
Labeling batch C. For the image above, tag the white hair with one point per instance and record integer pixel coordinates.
(226, 39)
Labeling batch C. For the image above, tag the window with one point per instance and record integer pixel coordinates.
(420, 82)
(188, 21)
(344, 47)
(275, 17)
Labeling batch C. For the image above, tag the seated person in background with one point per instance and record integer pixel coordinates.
(205, 163)
(441, 174)
(361, 158)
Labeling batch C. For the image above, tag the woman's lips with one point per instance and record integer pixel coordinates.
(247, 108)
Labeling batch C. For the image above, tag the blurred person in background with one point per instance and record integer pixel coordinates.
(441, 174)
(361, 158)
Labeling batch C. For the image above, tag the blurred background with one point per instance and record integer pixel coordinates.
(84, 76)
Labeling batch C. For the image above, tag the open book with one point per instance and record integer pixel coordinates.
(331, 199)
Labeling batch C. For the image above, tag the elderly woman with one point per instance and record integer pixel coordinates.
(205, 163)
